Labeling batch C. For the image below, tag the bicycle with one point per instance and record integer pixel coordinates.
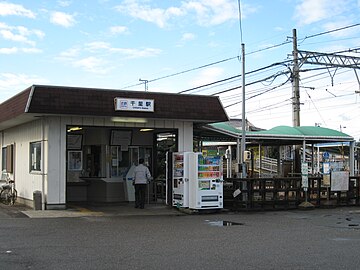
(8, 193)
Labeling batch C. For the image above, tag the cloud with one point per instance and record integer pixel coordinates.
(213, 12)
(105, 47)
(14, 50)
(70, 53)
(144, 12)
(137, 53)
(206, 12)
(64, 3)
(8, 35)
(95, 56)
(207, 76)
(62, 19)
(19, 34)
(185, 38)
(310, 11)
(30, 50)
(92, 64)
(7, 9)
(188, 36)
(339, 24)
(17, 81)
(118, 30)
(9, 50)
(97, 45)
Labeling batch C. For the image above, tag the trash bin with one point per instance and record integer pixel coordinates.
(37, 198)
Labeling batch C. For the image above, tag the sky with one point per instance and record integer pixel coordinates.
(190, 47)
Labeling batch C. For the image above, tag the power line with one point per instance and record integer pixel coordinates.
(236, 76)
(204, 85)
(332, 31)
(270, 47)
(268, 90)
(315, 107)
(236, 57)
(185, 71)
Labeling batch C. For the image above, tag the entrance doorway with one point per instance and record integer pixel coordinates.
(165, 142)
(97, 168)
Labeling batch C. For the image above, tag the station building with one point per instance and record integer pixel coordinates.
(78, 144)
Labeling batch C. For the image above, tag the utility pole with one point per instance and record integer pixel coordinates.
(145, 82)
(296, 100)
(295, 83)
(243, 120)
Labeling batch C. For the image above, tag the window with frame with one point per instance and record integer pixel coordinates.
(35, 156)
(7, 153)
(3, 160)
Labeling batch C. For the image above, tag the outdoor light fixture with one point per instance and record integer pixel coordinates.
(74, 129)
(146, 129)
(128, 120)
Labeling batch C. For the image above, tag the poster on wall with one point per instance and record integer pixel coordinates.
(75, 160)
(340, 181)
(74, 141)
(120, 138)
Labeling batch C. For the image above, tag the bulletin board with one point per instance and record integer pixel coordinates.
(121, 138)
(340, 181)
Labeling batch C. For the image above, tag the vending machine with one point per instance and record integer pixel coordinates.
(196, 180)
(180, 180)
(205, 181)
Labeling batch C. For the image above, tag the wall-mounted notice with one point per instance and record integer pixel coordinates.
(340, 181)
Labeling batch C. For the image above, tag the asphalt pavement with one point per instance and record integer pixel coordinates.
(151, 239)
(82, 210)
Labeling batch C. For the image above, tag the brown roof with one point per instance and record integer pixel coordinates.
(14, 106)
(58, 100)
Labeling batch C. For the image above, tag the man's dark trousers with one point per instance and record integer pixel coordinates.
(140, 190)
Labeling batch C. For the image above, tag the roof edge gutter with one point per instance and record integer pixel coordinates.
(29, 99)
(234, 135)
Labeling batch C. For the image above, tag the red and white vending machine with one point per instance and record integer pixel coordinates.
(205, 181)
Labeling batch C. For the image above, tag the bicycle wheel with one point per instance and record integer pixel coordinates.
(13, 197)
(5, 196)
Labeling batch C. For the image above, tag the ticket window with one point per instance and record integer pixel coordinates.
(121, 161)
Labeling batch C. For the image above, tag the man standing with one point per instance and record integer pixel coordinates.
(140, 179)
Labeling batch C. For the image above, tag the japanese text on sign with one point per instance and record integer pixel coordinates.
(127, 104)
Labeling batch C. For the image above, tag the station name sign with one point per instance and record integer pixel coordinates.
(134, 104)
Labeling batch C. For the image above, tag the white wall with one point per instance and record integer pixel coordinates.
(21, 137)
(56, 161)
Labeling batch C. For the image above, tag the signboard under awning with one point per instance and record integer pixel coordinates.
(133, 104)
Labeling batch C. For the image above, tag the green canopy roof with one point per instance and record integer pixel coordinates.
(307, 131)
(283, 134)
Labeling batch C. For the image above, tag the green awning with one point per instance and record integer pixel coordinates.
(283, 134)
(305, 131)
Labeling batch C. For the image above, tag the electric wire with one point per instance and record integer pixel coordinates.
(331, 31)
(237, 76)
(237, 57)
(315, 107)
(186, 71)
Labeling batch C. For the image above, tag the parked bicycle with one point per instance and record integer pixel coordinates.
(8, 193)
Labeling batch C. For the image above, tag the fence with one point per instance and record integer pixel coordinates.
(286, 193)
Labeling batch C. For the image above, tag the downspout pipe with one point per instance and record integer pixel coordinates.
(43, 164)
